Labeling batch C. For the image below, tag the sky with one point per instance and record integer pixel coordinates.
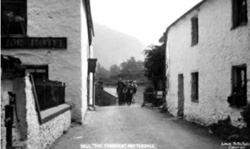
(146, 20)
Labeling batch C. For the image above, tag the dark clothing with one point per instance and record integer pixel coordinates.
(121, 91)
(130, 94)
(125, 92)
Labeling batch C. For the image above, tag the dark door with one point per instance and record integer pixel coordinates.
(180, 95)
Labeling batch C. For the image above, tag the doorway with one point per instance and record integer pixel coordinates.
(180, 95)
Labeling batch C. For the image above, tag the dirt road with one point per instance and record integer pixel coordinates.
(121, 127)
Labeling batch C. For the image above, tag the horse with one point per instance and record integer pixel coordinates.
(121, 91)
(130, 92)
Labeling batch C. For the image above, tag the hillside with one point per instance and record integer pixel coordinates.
(113, 47)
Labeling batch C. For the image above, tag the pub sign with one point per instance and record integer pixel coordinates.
(34, 43)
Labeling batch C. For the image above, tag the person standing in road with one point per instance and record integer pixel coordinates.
(119, 90)
(130, 93)
(134, 90)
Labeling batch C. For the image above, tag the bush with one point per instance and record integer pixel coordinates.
(227, 132)
(246, 115)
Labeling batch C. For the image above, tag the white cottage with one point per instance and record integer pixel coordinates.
(53, 39)
(208, 58)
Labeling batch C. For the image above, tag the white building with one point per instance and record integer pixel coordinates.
(54, 37)
(208, 58)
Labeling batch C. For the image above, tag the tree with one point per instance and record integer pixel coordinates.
(114, 70)
(128, 70)
(132, 69)
(129, 66)
(155, 65)
(101, 72)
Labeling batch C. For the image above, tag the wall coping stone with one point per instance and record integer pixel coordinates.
(53, 112)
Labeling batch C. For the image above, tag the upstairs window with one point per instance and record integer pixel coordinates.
(195, 87)
(239, 15)
(14, 17)
(194, 31)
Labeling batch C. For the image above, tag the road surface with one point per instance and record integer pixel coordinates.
(134, 127)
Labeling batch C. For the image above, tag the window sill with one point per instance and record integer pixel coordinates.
(195, 101)
(194, 44)
(237, 107)
(51, 113)
(237, 26)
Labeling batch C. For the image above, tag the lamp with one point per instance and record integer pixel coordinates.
(92, 64)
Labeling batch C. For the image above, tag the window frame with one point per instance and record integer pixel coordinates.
(194, 31)
(237, 18)
(36, 70)
(237, 99)
(22, 8)
(195, 87)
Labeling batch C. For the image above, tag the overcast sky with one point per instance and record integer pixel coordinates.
(144, 19)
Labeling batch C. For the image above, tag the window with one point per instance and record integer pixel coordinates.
(239, 86)
(239, 11)
(14, 17)
(49, 93)
(39, 72)
(195, 31)
(195, 87)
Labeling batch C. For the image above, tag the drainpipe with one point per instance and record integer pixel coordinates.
(91, 71)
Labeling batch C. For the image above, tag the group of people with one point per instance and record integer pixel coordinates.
(126, 91)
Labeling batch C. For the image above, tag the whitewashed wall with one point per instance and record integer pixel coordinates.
(60, 18)
(84, 59)
(219, 48)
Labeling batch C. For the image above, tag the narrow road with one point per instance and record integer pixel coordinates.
(121, 127)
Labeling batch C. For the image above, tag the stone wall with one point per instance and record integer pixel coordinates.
(53, 129)
(104, 98)
(219, 48)
(41, 136)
